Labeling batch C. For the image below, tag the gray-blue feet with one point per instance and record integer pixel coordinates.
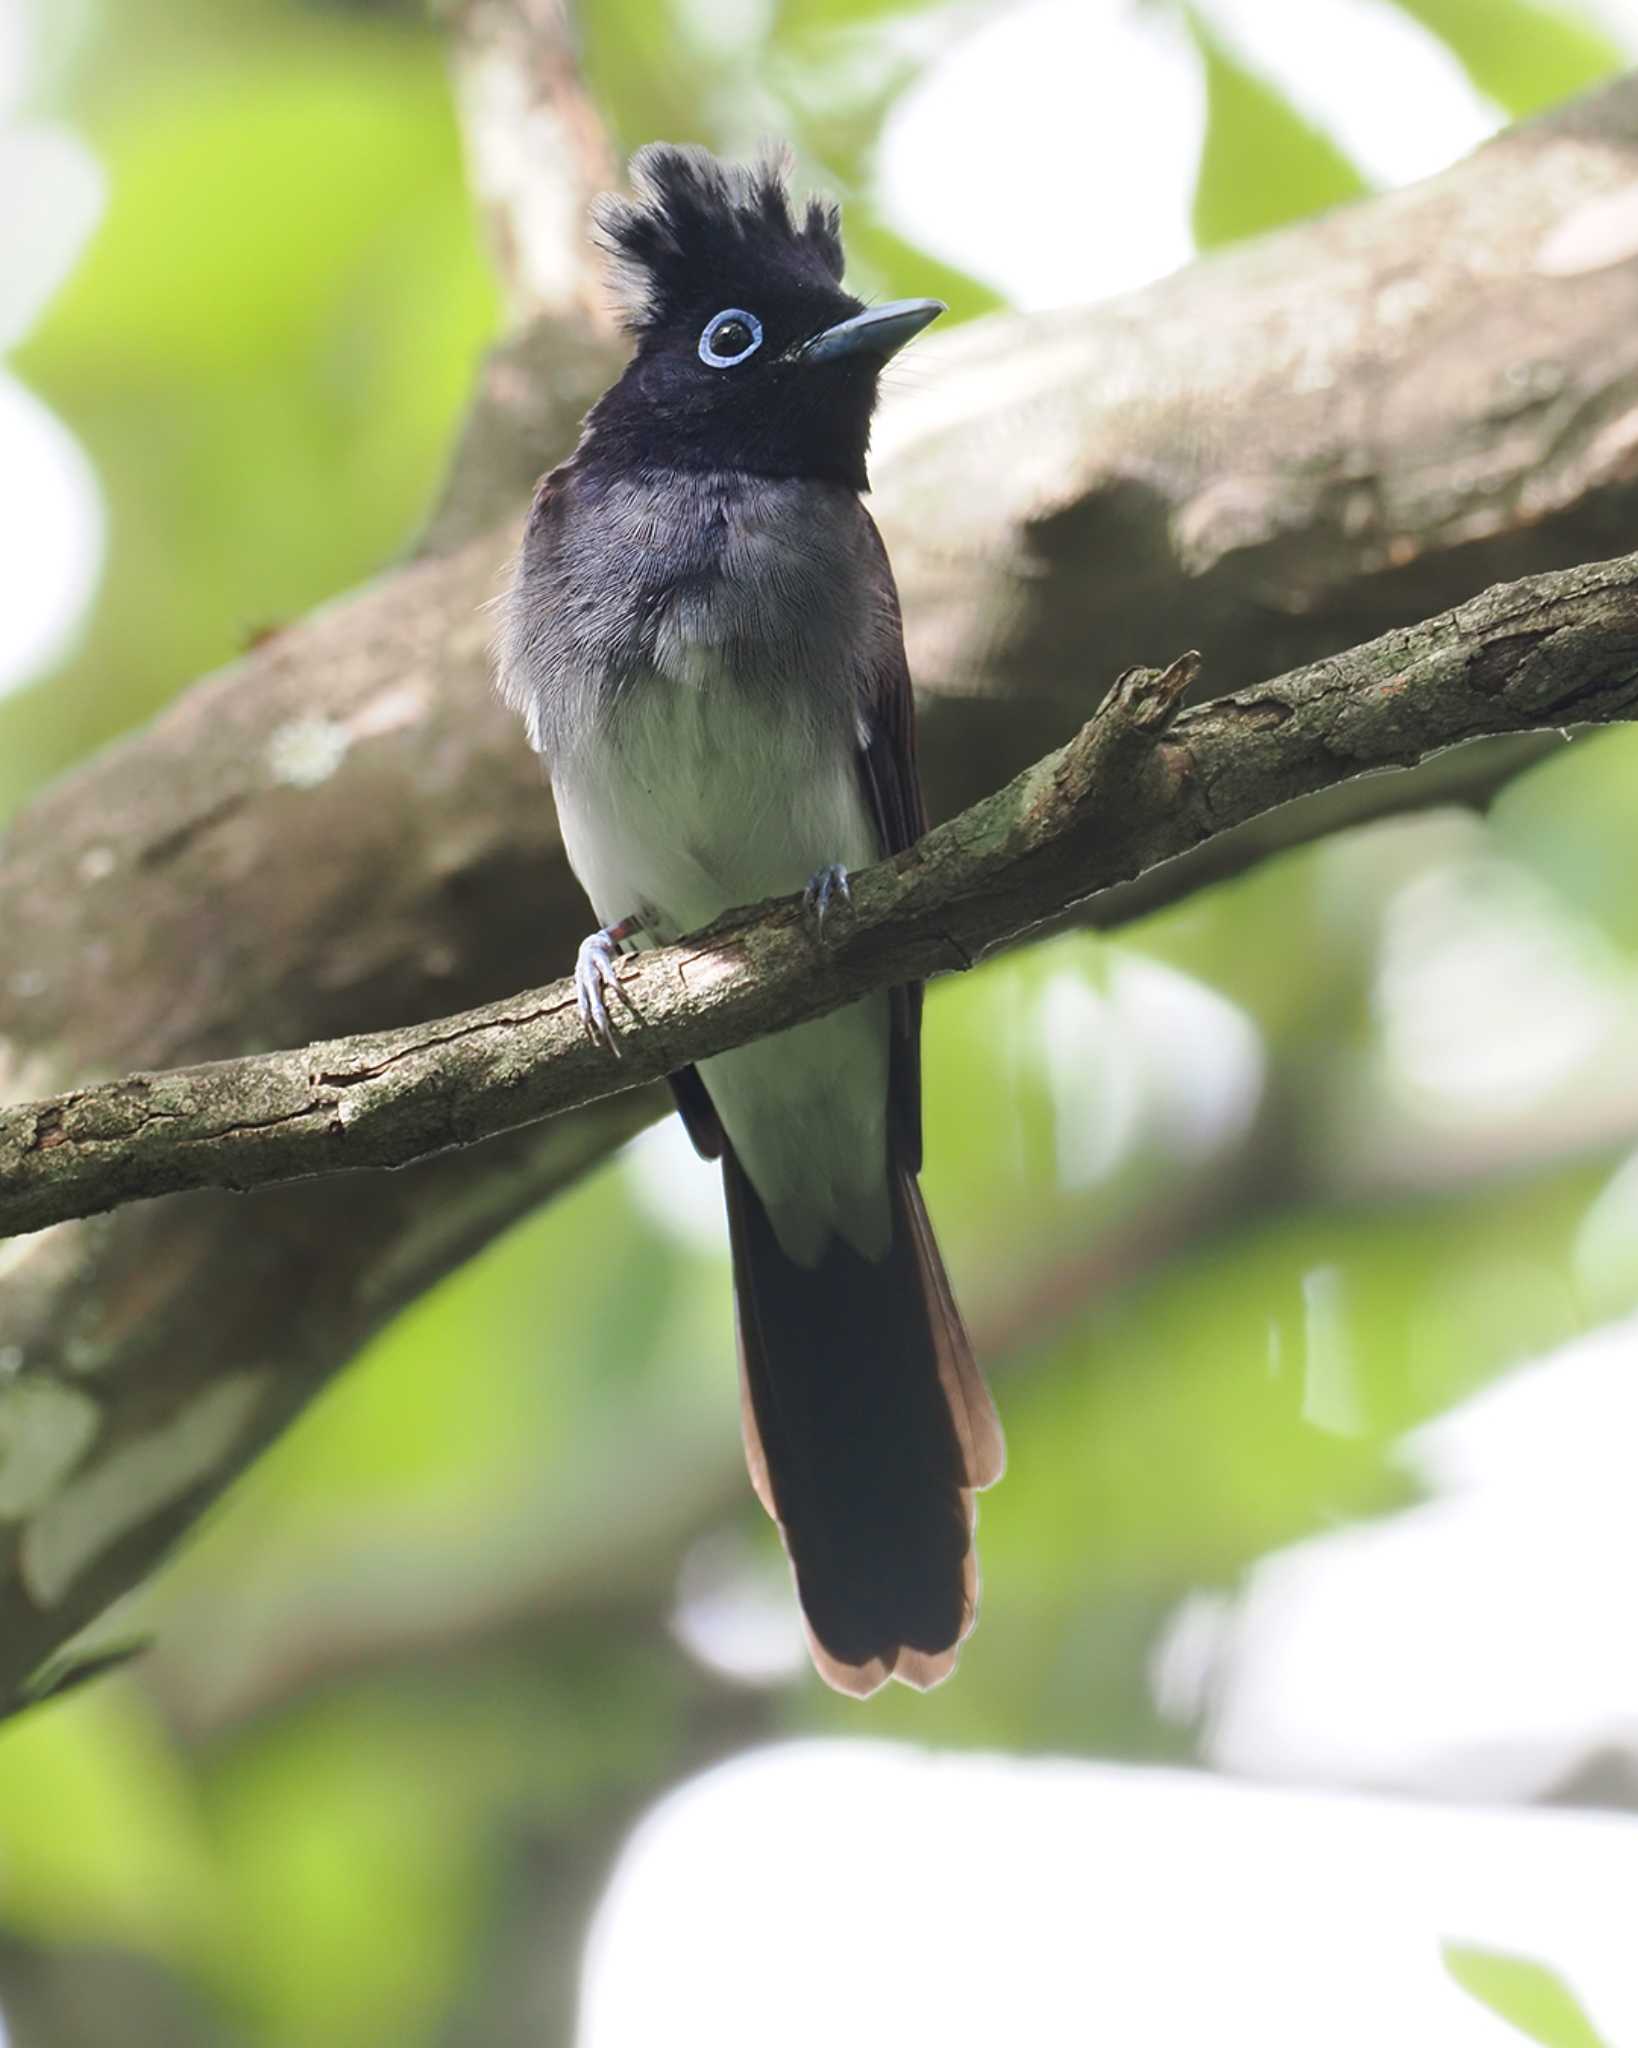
(829, 886)
(596, 973)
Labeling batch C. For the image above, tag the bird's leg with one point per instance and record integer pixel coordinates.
(596, 970)
(826, 887)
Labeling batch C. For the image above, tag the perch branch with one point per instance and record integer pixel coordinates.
(1137, 785)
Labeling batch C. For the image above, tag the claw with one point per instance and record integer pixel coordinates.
(826, 887)
(596, 969)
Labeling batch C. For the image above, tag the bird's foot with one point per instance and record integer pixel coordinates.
(829, 886)
(596, 972)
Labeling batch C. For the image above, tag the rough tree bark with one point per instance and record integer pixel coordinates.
(1335, 431)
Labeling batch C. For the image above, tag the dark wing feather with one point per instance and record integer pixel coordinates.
(892, 790)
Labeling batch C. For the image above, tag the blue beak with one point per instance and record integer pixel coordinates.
(878, 332)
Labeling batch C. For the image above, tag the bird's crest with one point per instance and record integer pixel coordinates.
(696, 226)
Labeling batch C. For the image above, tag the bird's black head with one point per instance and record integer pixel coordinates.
(750, 355)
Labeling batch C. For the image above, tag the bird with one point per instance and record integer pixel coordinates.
(702, 635)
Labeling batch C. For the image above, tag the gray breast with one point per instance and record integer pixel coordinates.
(748, 584)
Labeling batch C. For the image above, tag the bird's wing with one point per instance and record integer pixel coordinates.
(892, 791)
(524, 644)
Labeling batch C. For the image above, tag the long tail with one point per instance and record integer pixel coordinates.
(868, 1428)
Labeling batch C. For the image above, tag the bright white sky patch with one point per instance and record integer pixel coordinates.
(675, 1187)
(1617, 18)
(1150, 1057)
(1052, 152)
(1489, 992)
(51, 534)
(54, 198)
(1384, 89)
(14, 53)
(736, 1611)
(51, 519)
(1479, 1643)
(849, 1890)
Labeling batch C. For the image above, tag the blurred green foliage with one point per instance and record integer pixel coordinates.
(416, 1677)
(1527, 1994)
(264, 349)
(1526, 55)
(1259, 151)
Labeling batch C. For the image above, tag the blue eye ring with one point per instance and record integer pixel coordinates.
(715, 325)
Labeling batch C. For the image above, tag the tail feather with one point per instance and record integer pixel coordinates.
(984, 1449)
(867, 1431)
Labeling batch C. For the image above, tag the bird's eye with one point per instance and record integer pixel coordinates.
(729, 338)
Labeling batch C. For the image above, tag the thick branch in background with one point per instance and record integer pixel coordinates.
(1133, 789)
(1271, 456)
(537, 153)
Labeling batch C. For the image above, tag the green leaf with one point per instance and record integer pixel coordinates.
(1262, 162)
(1527, 56)
(1528, 1995)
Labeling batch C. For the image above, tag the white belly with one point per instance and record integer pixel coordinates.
(706, 802)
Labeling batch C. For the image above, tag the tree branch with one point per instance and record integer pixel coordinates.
(1134, 788)
(537, 151)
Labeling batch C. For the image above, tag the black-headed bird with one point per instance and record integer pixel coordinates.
(703, 636)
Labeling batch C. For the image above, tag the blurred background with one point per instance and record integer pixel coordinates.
(1299, 1227)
